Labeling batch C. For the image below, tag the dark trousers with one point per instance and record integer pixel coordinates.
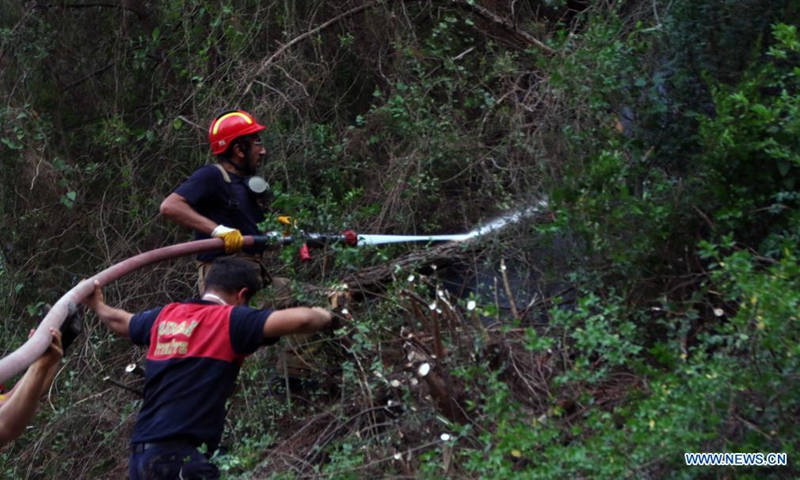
(170, 461)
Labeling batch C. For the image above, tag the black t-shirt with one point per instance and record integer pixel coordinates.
(229, 204)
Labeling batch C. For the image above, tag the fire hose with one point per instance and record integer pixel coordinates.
(24, 356)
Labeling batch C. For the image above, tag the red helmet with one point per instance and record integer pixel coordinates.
(230, 126)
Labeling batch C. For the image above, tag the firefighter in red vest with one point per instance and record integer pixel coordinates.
(195, 350)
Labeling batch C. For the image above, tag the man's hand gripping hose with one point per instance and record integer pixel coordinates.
(233, 238)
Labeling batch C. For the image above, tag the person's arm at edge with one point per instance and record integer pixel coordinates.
(177, 209)
(115, 319)
(296, 320)
(17, 411)
(51, 374)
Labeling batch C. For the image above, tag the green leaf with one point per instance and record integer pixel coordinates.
(10, 144)
(68, 199)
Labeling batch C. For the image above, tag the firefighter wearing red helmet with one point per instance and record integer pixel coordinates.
(219, 200)
(228, 127)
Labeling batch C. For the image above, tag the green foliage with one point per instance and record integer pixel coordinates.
(612, 191)
(759, 340)
(602, 333)
(751, 145)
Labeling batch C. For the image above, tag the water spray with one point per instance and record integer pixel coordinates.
(351, 238)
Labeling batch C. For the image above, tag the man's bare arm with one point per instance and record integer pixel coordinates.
(177, 209)
(296, 320)
(17, 411)
(116, 319)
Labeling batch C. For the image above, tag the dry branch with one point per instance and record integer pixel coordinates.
(134, 6)
(471, 6)
(121, 385)
(443, 395)
(373, 278)
(303, 36)
(87, 77)
(505, 23)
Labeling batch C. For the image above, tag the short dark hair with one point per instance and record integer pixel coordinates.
(231, 274)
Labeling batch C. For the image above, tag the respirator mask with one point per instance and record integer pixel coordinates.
(259, 190)
(257, 186)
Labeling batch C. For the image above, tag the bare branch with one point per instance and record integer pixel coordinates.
(87, 77)
(302, 37)
(506, 23)
(123, 5)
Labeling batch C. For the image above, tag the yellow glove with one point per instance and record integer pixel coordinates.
(233, 238)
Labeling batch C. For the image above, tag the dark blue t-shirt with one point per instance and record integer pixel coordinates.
(229, 204)
(195, 351)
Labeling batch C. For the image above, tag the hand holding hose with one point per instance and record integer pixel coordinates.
(233, 238)
(53, 354)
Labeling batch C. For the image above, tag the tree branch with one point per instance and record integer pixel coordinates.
(87, 77)
(124, 5)
(504, 22)
(471, 6)
(302, 37)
